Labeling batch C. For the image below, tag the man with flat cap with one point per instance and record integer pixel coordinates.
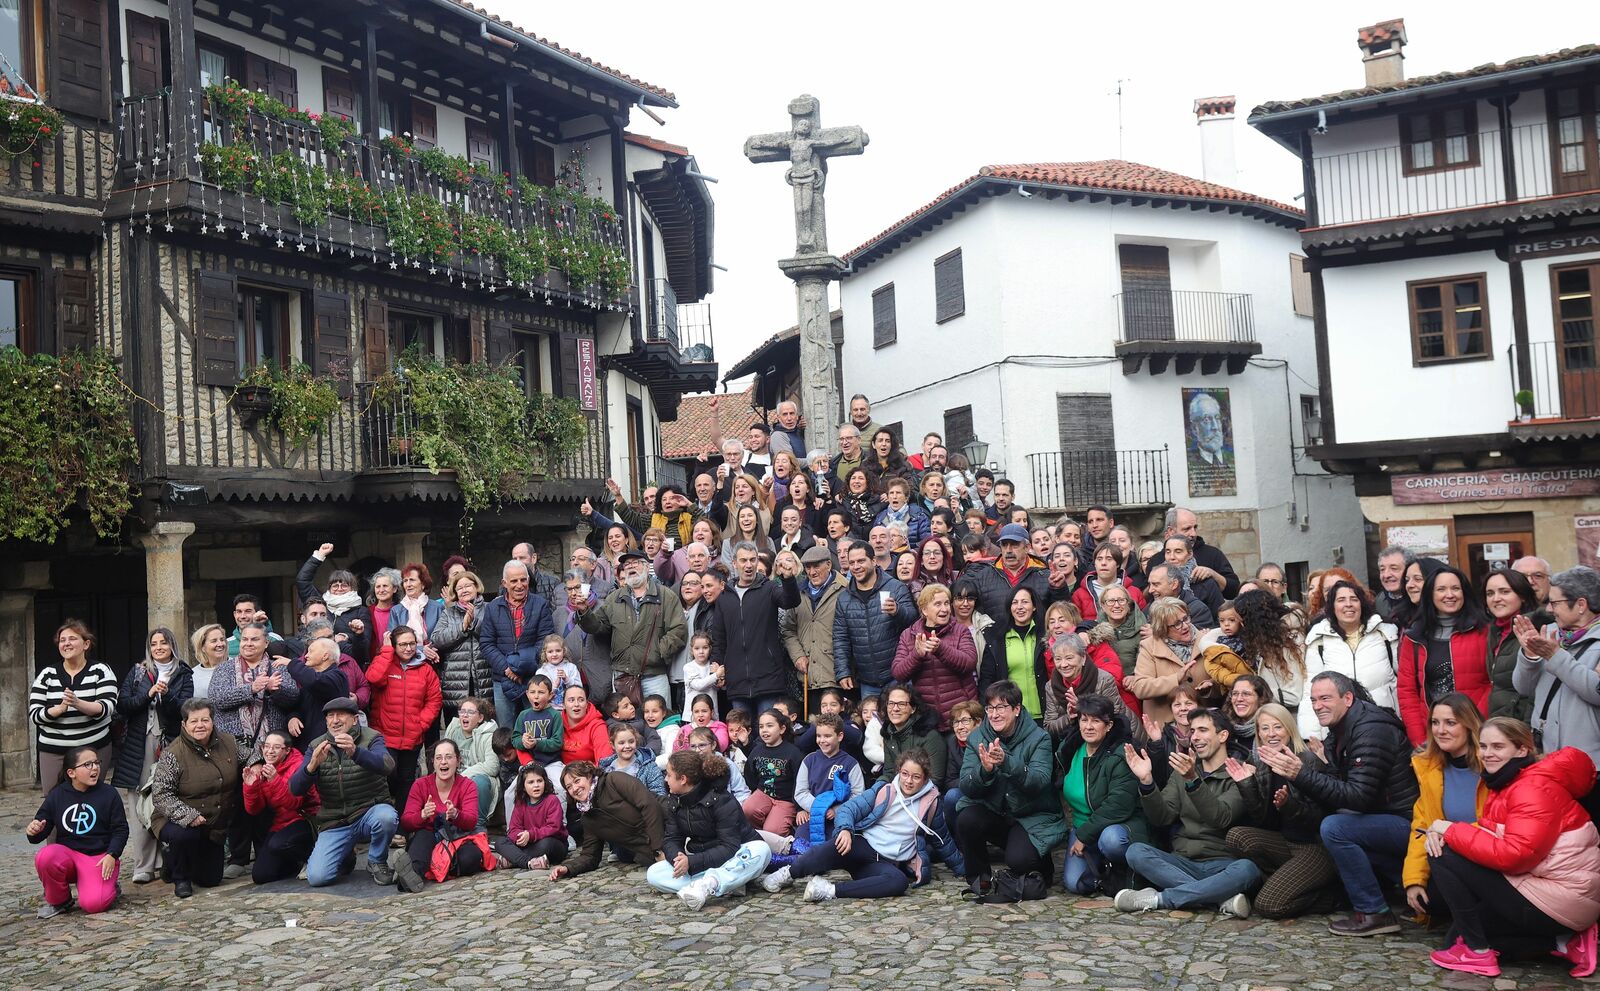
(350, 768)
(644, 619)
(808, 628)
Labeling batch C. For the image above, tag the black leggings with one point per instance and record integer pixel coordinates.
(405, 772)
(283, 853)
(977, 827)
(468, 861)
(191, 855)
(1482, 902)
(552, 848)
(246, 831)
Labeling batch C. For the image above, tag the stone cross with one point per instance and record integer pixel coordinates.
(807, 146)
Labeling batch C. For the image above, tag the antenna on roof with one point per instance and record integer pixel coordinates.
(1119, 114)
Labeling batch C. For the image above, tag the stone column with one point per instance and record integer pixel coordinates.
(163, 574)
(819, 387)
(408, 548)
(16, 676)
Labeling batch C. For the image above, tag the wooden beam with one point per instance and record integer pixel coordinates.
(184, 103)
(369, 82)
(508, 128)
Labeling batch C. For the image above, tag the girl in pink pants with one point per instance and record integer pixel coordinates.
(90, 828)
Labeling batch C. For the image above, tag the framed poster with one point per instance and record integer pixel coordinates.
(1424, 538)
(1208, 442)
(1587, 528)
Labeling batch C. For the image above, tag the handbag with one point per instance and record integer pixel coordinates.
(446, 853)
(1009, 887)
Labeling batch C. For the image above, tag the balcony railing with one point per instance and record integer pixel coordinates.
(71, 166)
(1079, 479)
(1184, 315)
(694, 332)
(1565, 379)
(685, 326)
(662, 315)
(651, 469)
(1372, 184)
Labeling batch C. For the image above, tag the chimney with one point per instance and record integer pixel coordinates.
(1214, 116)
(1382, 52)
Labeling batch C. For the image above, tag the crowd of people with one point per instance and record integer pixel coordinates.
(855, 662)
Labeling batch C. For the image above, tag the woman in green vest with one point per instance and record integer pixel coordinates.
(1013, 651)
(196, 789)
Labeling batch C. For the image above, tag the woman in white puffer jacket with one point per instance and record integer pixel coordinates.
(1352, 639)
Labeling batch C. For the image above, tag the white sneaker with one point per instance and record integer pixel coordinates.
(1238, 906)
(234, 871)
(1137, 900)
(777, 880)
(695, 893)
(819, 889)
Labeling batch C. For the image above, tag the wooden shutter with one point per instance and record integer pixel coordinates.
(332, 311)
(1300, 286)
(1146, 292)
(147, 60)
(375, 328)
(567, 374)
(217, 299)
(339, 94)
(74, 310)
(883, 325)
(949, 291)
(500, 344)
(542, 162)
(272, 78)
(480, 143)
(80, 75)
(424, 124)
(475, 337)
(957, 428)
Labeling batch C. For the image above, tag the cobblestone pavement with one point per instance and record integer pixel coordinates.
(515, 930)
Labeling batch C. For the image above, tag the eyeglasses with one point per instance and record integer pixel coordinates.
(1182, 623)
(1559, 602)
(998, 709)
(87, 763)
(898, 705)
(1272, 581)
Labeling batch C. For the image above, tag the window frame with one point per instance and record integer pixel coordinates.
(892, 333)
(29, 323)
(286, 299)
(1436, 119)
(1445, 283)
(943, 263)
(401, 315)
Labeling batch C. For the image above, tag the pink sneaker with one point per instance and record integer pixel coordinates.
(1581, 951)
(1461, 957)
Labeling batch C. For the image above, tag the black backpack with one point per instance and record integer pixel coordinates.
(1009, 887)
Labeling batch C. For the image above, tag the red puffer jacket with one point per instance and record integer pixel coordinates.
(944, 677)
(1535, 832)
(1090, 609)
(586, 739)
(273, 793)
(405, 700)
(1469, 659)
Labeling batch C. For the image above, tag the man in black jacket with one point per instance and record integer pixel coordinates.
(1368, 788)
(745, 638)
(996, 579)
(1183, 522)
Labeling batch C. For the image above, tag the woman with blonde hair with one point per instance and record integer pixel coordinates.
(208, 649)
(1166, 660)
(1449, 786)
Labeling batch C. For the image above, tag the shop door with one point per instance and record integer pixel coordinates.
(1480, 553)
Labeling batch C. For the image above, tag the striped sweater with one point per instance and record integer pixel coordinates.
(95, 683)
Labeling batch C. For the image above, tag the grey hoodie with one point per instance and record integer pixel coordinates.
(1570, 717)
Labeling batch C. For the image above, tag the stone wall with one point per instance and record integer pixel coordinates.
(1234, 533)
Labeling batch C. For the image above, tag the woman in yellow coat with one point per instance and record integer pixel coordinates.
(1450, 783)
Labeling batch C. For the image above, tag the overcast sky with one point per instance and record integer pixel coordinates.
(945, 88)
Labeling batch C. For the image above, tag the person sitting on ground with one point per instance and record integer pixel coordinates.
(287, 846)
(87, 848)
(583, 729)
(1450, 786)
(771, 769)
(440, 819)
(473, 732)
(709, 847)
(630, 757)
(614, 808)
(538, 730)
(1205, 802)
(196, 789)
(536, 831)
(1102, 795)
(886, 838)
(828, 778)
(350, 768)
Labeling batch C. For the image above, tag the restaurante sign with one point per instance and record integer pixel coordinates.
(1479, 486)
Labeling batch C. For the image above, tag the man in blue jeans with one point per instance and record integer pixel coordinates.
(350, 767)
(1205, 801)
(1366, 784)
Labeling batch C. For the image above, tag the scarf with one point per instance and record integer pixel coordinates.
(1242, 731)
(1496, 780)
(415, 617)
(341, 602)
(252, 714)
(1186, 570)
(1444, 627)
(1570, 637)
(1183, 650)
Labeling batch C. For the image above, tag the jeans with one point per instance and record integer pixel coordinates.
(868, 691)
(755, 705)
(506, 709)
(60, 867)
(870, 875)
(1184, 882)
(377, 826)
(1081, 875)
(742, 868)
(1363, 846)
(486, 788)
(657, 684)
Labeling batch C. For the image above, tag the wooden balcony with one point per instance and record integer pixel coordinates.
(63, 182)
(1158, 327)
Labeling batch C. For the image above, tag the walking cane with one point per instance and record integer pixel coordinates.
(805, 694)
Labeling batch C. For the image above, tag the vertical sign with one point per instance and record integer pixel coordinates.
(1587, 527)
(588, 394)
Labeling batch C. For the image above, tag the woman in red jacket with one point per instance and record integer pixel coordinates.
(441, 807)
(1107, 572)
(937, 656)
(1445, 650)
(583, 730)
(266, 786)
(1525, 878)
(406, 699)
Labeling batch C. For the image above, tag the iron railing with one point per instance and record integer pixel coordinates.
(661, 312)
(1079, 479)
(1565, 380)
(694, 332)
(1184, 315)
(1373, 184)
(652, 469)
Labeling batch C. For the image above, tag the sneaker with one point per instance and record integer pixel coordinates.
(778, 880)
(1362, 924)
(143, 877)
(539, 863)
(235, 871)
(1581, 952)
(1238, 906)
(696, 892)
(1467, 960)
(819, 889)
(381, 872)
(49, 911)
(1137, 900)
(404, 872)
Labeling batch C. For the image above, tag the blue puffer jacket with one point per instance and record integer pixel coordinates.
(866, 809)
(644, 768)
(864, 637)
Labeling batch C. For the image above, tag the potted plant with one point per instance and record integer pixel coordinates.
(252, 397)
(1524, 400)
(291, 400)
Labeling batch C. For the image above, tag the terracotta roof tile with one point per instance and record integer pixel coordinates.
(1113, 175)
(1419, 82)
(1214, 106)
(655, 144)
(705, 419)
(641, 84)
(1383, 32)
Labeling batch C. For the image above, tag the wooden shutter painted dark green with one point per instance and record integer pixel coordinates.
(217, 302)
(949, 291)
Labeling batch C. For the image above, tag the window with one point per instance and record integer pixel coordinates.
(1449, 319)
(214, 66)
(1311, 420)
(1300, 287)
(1439, 139)
(17, 311)
(482, 148)
(16, 17)
(883, 327)
(1574, 129)
(389, 112)
(529, 361)
(410, 330)
(957, 428)
(263, 321)
(1297, 575)
(949, 292)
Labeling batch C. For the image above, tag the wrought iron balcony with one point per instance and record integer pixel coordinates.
(1565, 387)
(1212, 329)
(1076, 480)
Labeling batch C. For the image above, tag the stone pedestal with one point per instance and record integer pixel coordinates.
(408, 548)
(163, 575)
(819, 388)
(16, 677)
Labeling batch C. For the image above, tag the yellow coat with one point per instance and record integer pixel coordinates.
(1429, 809)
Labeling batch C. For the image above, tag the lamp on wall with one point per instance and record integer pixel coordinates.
(977, 452)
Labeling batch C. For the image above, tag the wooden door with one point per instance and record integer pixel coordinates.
(1575, 159)
(636, 466)
(1480, 553)
(481, 145)
(1146, 293)
(1576, 358)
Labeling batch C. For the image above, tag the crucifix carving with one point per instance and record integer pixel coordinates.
(807, 146)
